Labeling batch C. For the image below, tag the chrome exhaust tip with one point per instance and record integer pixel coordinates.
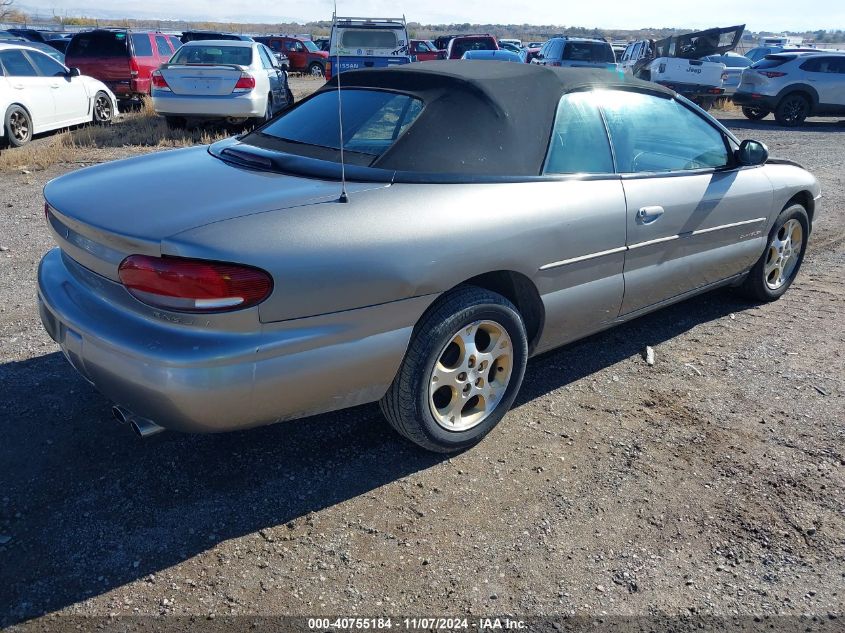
(142, 426)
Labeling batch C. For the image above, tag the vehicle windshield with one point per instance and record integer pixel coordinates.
(588, 52)
(207, 54)
(372, 121)
(368, 38)
(311, 46)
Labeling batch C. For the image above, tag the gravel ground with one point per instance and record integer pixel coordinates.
(711, 484)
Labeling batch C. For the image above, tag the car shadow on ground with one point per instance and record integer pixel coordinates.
(770, 125)
(89, 507)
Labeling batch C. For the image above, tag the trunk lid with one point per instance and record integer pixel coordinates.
(101, 215)
(201, 79)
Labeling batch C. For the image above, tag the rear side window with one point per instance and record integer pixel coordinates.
(588, 52)
(368, 38)
(16, 64)
(208, 54)
(175, 41)
(99, 44)
(162, 46)
(579, 143)
(656, 134)
(833, 65)
(773, 61)
(372, 121)
(141, 45)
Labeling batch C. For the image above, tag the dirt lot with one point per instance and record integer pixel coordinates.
(711, 484)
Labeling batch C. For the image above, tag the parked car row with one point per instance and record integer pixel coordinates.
(39, 94)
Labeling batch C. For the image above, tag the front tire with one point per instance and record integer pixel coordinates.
(754, 114)
(779, 264)
(17, 125)
(462, 371)
(792, 110)
(315, 69)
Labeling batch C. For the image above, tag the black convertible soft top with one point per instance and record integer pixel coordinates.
(480, 117)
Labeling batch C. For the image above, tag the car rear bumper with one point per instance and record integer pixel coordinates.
(187, 378)
(693, 90)
(241, 105)
(750, 99)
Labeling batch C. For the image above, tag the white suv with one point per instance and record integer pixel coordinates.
(794, 86)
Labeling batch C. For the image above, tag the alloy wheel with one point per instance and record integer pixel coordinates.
(783, 254)
(794, 110)
(102, 109)
(471, 375)
(19, 125)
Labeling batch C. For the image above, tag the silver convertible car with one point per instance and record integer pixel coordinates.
(481, 213)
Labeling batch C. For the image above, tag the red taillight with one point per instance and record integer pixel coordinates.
(771, 74)
(191, 285)
(328, 71)
(159, 82)
(245, 83)
(134, 69)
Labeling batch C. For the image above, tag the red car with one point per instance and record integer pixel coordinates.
(531, 53)
(304, 56)
(122, 59)
(463, 43)
(425, 51)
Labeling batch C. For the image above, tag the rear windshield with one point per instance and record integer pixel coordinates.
(588, 52)
(372, 121)
(461, 46)
(98, 44)
(368, 38)
(773, 61)
(209, 54)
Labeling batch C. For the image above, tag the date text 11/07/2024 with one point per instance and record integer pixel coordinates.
(416, 624)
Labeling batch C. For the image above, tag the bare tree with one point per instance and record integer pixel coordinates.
(5, 11)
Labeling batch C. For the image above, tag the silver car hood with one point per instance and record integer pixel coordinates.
(154, 197)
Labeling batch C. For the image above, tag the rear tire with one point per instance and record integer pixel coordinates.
(792, 110)
(461, 373)
(779, 264)
(289, 97)
(17, 126)
(103, 109)
(754, 114)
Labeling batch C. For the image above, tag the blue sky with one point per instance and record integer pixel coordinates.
(773, 15)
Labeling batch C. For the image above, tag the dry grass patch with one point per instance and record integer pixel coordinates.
(142, 130)
(726, 105)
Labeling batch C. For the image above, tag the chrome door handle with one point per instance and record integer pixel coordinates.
(647, 215)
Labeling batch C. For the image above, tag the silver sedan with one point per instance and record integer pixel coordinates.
(235, 80)
(416, 254)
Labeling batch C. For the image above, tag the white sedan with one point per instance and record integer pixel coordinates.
(220, 79)
(38, 94)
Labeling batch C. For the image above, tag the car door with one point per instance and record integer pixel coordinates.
(693, 218)
(581, 282)
(70, 99)
(827, 76)
(296, 54)
(29, 88)
(274, 75)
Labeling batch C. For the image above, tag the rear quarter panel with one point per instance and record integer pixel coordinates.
(409, 240)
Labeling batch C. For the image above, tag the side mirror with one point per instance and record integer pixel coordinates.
(752, 153)
(74, 72)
